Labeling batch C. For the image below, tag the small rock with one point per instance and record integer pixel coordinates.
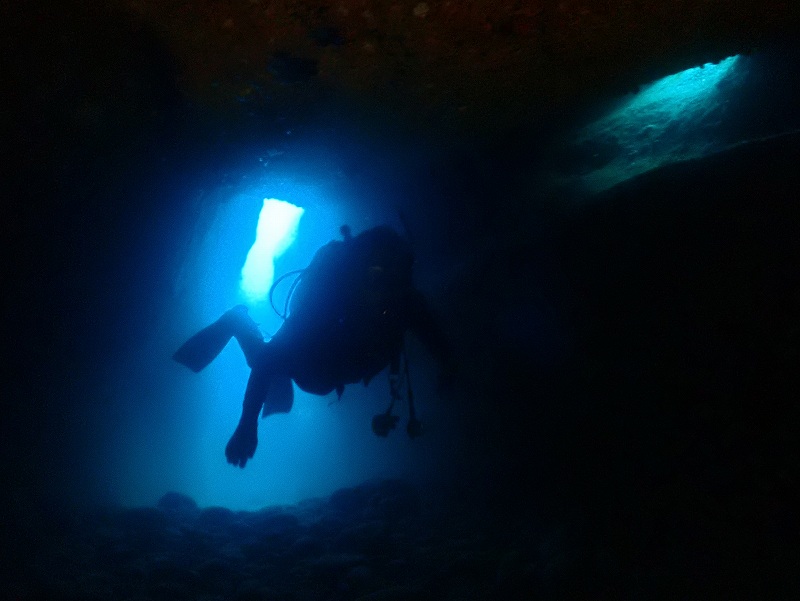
(215, 575)
(306, 546)
(421, 10)
(337, 562)
(367, 537)
(395, 593)
(398, 568)
(358, 575)
(215, 518)
(175, 501)
(350, 500)
(251, 590)
(271, 523)
(178, 507)
(141, 522)
(396, 500)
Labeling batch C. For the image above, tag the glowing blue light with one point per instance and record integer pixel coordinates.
(275, 232)
(683, 89)
(679, 117)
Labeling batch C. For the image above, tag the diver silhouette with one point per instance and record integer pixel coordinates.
(344, 322)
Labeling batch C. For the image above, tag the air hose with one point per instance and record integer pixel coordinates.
(292, 288)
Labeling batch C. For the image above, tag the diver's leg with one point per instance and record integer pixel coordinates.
(242, 445)
(249, 337)
(202, 348)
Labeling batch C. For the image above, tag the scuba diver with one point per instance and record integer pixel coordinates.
(345, 318)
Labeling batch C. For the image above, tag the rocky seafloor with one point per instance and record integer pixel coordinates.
(375, 541)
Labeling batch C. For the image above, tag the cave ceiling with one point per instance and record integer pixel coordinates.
(466, 65)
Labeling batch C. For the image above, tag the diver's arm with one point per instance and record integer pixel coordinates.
(254, 396)
(242, 445)
(250, 411)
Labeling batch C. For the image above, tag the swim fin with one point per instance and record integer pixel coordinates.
(202, 348)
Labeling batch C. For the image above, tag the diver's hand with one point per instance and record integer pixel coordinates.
(242, 445)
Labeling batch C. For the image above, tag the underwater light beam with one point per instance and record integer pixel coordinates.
(679, 117)
(276, 231)
(685, 89)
